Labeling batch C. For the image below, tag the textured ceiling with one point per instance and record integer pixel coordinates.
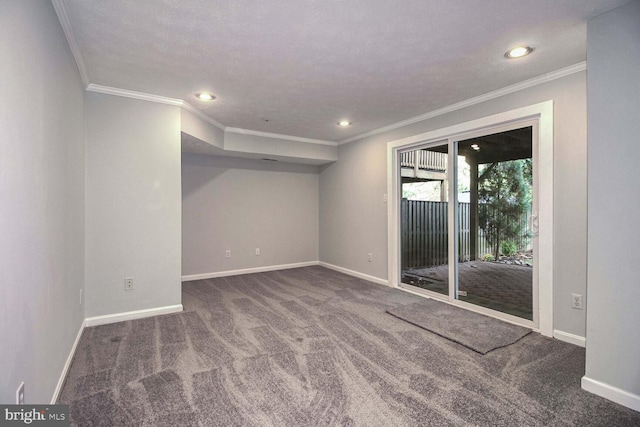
(303, 65)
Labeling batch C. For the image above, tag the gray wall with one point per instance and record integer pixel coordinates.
(613, 341)
(195, 126)
(353, 216)
(241, 205)
(295, 151)
(133, 204)
(41, 200)
(238, 143)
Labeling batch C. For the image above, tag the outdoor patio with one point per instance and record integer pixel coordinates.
(502, 287)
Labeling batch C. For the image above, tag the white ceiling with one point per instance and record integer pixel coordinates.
(305, 64)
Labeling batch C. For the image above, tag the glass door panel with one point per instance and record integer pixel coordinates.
(494, 204)
(424, 208)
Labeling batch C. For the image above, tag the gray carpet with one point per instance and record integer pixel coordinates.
(476, 331)
(313, 347)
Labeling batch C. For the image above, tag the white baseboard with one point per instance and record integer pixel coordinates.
(612, 393)
(67, 365)
(570, 338)
(247, 271)
(130, 315)
(355, 273)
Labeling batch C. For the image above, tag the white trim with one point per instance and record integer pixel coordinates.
(202, 115)
(563, 72)
(181, 103)
(357, 274)
(612, 393)
(543, 112)
(130, 315)
(566, 71)
(65, 22)
(204, 276)
(154, 98)
(67, 364)
(133, 94)
(280, 136)
(545, 215)
(570, 338)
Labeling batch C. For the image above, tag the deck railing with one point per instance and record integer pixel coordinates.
(428, 160)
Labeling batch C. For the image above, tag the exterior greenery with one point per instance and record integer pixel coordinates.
(508, 248)
(506, 190)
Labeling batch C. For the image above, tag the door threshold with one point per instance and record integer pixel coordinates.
(424, 293)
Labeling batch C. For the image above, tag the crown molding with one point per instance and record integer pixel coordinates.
(92, 87)
(566, 71)
(181, 103)
(280, 136)
(133, 94)
(153, 98)
(65, 22)
(202, 115)
(563, 72)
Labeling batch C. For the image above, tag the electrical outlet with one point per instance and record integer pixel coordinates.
(128, 283)
(370, 257)
(20, 394)
(227, 253)
(257, 251)
(576, 301)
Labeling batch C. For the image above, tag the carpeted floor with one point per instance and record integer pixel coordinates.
(313, 347)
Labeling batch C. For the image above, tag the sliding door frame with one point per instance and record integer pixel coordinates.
(541, 117)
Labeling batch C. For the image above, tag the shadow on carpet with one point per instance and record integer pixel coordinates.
(476, 331)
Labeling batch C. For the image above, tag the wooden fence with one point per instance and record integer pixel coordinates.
(425, 234)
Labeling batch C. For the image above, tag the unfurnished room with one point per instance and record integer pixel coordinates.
(319, 213)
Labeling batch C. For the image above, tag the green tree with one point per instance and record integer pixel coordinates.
(504, 195)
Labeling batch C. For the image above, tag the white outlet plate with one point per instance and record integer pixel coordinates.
(20, 394)
(227, 253)
(128, 283)
(257, 251)
(370, 257)
(576, 301)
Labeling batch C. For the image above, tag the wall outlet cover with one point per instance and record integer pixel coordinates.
(576, 301)
(20, 394)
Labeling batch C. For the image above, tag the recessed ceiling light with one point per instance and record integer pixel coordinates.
(518, 52)
(344, 123)
(205, 96)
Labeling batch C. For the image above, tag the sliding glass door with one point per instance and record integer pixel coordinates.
(495, 204)
(424, 214)
(467, 221)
